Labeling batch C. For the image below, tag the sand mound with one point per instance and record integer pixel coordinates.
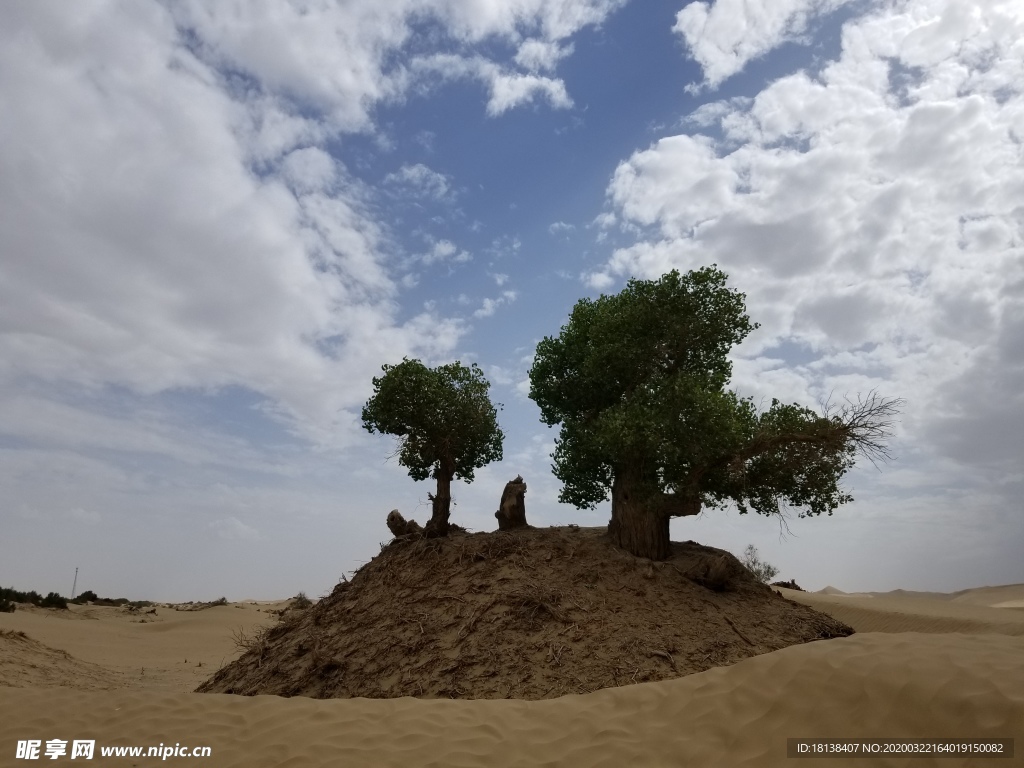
(830, 590)
(1004, 596)
(870, 685)
(915, 614)
(25, 662)
(527, 614)
(164, 650)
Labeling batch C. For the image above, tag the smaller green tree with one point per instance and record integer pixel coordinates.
(446, 425)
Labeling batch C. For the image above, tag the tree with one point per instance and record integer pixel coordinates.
(637, 382)
(764, 572)
(446, 423)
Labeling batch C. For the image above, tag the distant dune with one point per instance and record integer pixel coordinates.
(829, 590)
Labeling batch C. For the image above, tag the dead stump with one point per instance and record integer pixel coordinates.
(399, 526)
(512, 511)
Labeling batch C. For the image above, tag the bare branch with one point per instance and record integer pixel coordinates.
(867, 423)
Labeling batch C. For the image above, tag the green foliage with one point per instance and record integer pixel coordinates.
(637, 382)
(6, 606)
(53, 600)
(87, 596)
(763, 571)
(446, 423)
(16, 596)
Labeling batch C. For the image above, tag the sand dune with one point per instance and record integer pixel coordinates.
(880, 613)
(168, 650)
(25, 662)
(910, 672)
(1010, 595)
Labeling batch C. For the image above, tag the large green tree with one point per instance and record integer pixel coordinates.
(445, 421)
(638, 383)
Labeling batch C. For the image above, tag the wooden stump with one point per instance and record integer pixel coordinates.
(512, 511)
(399, 526)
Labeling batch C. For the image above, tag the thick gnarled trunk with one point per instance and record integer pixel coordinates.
(441, 505)
(640, 516)
(634, 525)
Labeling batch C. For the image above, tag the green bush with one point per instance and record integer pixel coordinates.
(21, 597)
(6, 606)
(763, 571)
(301, 602)
(53, 600)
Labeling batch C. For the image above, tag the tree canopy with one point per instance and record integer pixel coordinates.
(637, 381)
(445, 422)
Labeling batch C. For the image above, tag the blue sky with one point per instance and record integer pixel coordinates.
(217, 222)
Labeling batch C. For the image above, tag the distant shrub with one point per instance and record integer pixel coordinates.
(763, 571)
(300, 601)
(6, 606)
(791, 584)
(86, 597)
(220, 601)
(53, 600)
(14, 595)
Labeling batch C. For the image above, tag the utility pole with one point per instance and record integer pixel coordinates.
(74, 585)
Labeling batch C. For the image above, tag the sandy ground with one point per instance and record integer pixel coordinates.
(922, 665)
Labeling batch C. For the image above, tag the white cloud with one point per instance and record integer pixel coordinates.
(599, 281)
(511, 90)
(724, 35)
(445, 250)
(872, 215)
(711, 114)
(419, 180)
(500, 375)
(508, 88)
(541, 55)
(309, 170)
(341, 60)
(490, 306)
(560, 227)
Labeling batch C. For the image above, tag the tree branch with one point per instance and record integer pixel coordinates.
(864, 425)
(675, 505)
(868, 423)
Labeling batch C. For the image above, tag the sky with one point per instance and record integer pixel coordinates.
(218, 220)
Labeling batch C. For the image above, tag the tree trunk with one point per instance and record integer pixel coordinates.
(639, 524)
(441, 505)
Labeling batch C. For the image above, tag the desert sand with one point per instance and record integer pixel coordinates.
(918, 667)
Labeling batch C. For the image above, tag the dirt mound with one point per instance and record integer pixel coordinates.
(526, 614)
